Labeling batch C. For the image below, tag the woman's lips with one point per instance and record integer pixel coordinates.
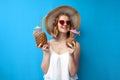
(64, 27)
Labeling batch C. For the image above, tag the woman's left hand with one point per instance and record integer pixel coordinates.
(72, 47)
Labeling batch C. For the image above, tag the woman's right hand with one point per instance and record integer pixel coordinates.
(45, 47)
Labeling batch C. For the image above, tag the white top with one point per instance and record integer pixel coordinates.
(58, 68)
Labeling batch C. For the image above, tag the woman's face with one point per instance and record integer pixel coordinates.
(63, 24)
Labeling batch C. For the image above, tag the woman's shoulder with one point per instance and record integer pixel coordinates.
(50, 41)
(77, 44)
(77, 50)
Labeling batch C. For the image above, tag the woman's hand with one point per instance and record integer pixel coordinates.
(71, 46)
(45, 47)
(46, 57)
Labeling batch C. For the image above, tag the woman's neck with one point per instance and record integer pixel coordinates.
(61, 37)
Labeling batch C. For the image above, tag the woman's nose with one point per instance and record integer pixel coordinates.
(65, 24)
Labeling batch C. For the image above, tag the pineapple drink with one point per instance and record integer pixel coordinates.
(40, 38)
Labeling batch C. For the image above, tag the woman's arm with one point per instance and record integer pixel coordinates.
(73, 60)
(45, 62)
(46, 54)
(46, 58)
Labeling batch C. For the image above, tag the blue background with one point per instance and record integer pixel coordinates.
(100, 38)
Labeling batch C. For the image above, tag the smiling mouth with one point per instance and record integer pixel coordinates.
(64, 27)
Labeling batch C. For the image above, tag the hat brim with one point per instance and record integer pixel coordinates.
(74, 15)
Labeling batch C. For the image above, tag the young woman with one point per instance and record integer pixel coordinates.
(61, 54)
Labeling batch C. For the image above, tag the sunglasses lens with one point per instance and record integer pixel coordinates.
(68, 22)
(61, 22)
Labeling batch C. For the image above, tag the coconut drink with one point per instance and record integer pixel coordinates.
(74, 33)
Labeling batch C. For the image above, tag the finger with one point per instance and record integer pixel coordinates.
(70, 45)
(45, 47)
(74, 44)
(40, 45)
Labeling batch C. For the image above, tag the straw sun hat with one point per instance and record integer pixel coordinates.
(74, 16)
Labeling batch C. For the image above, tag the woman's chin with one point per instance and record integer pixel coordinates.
(64, 31)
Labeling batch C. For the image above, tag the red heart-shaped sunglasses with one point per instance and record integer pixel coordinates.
(62, 22)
